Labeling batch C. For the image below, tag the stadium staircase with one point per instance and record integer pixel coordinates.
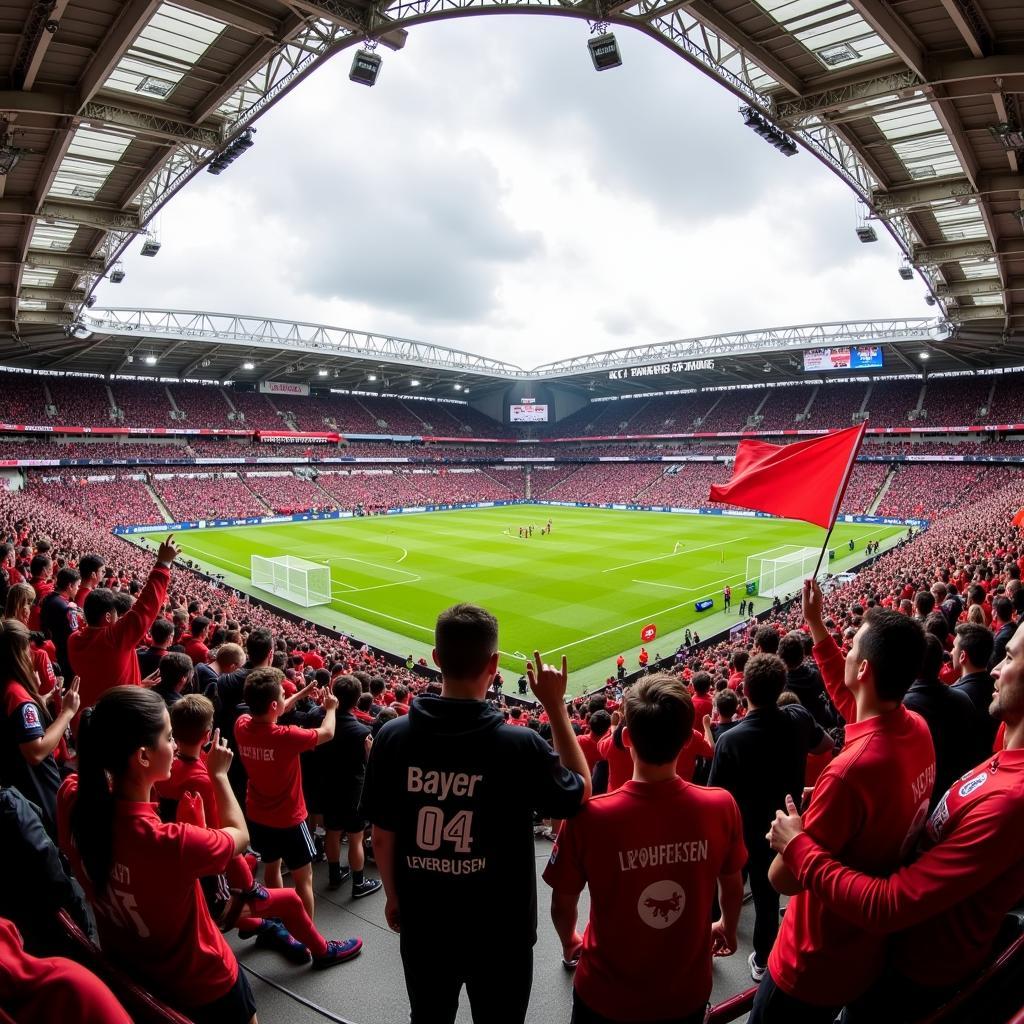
(259, 498)
(643, 490)
(331, 501)
(882, 491)
(159, 502)
(227, 398)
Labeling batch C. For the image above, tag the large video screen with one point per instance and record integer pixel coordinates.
(528, 413)
(859, 357)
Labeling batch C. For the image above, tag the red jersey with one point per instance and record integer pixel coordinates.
(270, 753)
(104, 656)
(620, 760)
(953, 899)
(51, 988)
(312, 660)
(195, 649)
(701, 706)
(190, 775)
(867, 809)
(44, 671)
(589, 747)
(651, 853)
(152, 916)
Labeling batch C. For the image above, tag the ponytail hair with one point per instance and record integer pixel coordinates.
(16, 662)
(124, 719)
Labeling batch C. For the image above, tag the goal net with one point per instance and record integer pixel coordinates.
(781, 570)
(296, 580)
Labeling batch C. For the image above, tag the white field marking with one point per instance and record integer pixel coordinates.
(376, 565)
(667, 586)
(382, 586)
(673, 554)
(405, 555)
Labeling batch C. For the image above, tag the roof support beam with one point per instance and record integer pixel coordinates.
(40, 27)
(900, 84)
(144, 122)
(134, 17)
(923, 193)
(196, 363)
(970, 24)
(238, 15)
(896, 35)
(1000, 66)
(63, 261)
(963, 314)
(951, 252)
(75, 353)
(100, 217)
(727, 30)
(53, 294)
(359, 20)
(43, 316)
(967, 289)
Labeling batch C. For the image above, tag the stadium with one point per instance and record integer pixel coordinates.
(190, 498)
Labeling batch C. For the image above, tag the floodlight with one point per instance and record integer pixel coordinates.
(867, 233)
(1008, 135)
(906, 271)
(465, 391)
(150, 360)
(371, 376)
(90, 302)
(248, 366)
(232, 152)
(150, 247)
(365, 68)
(930, 299)
(771, 133)
(925, 355)
(604, 52)
(321, 373)
(458, 387)
(117, 274)
(415, 383)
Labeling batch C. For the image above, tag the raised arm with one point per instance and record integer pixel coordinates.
(827, 655)
(549, 685)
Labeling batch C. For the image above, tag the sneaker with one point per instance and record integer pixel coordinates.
(338, 953)
(337, 879)
(273, 935)
(319, 845)
(367, 887)
(756, 970)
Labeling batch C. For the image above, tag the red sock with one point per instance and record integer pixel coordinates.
(286, 905)
(239, 874)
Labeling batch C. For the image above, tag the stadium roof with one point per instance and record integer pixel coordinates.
(107, 107)
(178, 344)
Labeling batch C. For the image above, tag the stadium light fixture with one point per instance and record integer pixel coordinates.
(1008, 135)
(116, 275)
(371, 376)
(458, 387)
(907, 270)
(232, 152)
(771, 133)
(414, 382)
(321, 373)
(248, 366)
(925, 355)
(604, 50)
(150, 360)
(930, 299)
(867, 233)
(150, 247)
(465, 391)
(365, 65)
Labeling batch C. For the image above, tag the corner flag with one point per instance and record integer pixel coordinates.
(805, 480)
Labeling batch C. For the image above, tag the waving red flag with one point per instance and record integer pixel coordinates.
(805, 480)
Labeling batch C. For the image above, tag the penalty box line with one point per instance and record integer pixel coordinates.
(676, 554)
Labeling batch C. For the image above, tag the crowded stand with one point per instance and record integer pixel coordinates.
(835, 406)
(865, 482)
(79, 401)
(202, 406)
(141, 402)
(259, 411)
(208, 496)
(107, 501)
(285, 493)
(926, 490)
(614, 482)
(785, 405)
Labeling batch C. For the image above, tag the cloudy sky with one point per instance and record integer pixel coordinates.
(494, 193)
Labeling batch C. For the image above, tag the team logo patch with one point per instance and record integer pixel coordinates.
(30, 716)
(554, 854)
(969, 787)
(661, 904)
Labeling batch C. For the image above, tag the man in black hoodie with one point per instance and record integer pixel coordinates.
(451, 791)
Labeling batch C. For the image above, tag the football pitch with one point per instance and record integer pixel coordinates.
(585, 590)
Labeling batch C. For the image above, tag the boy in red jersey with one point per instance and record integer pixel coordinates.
(651, 853)
(274, 802)
(867, 808)
(953, 899)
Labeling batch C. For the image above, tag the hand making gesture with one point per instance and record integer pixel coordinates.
(547, 682)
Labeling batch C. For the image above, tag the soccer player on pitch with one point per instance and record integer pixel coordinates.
(867, 808)
(651, 854)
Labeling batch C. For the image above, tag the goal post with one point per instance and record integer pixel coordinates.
(776, 571)
(295, 579)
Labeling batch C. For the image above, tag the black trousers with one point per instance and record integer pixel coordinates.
(766, 906)
(582, 1014)
(498, 981)
(773, 1006)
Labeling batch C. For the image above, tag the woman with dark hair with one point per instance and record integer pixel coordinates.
(29, 733)
(142, 875)
(20, 599)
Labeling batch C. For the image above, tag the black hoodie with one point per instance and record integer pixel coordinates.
(459, 787)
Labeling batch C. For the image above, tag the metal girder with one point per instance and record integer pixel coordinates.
(44, 316)
(895, 83)
(63, 261)
(59, 103)
(900, 40)
(963, 314)
(951, 252)
(239, 15)
(970, 24)
(196, 363)
(29, 291)
(365, 21)
(144, 122)
(966, 289)
(134, 16)
(959, 70)
(923, 193)
(101, 217)
(40, 27)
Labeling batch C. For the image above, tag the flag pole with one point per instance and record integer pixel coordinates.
(839, 496)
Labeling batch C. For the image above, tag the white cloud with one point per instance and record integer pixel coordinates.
(492, 192)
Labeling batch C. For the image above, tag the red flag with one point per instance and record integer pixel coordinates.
(805, 480)
(1018, 519)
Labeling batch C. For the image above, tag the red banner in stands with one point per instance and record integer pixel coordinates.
(291, 438)
(648, 633)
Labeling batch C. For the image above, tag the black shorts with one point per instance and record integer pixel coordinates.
(292, 845)
(236, 1006)
(344, 817)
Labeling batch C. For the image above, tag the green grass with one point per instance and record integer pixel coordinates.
(585, 590)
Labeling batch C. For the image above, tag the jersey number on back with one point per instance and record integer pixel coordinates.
(432, 830)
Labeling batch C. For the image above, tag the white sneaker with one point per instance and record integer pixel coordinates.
(756, 970)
